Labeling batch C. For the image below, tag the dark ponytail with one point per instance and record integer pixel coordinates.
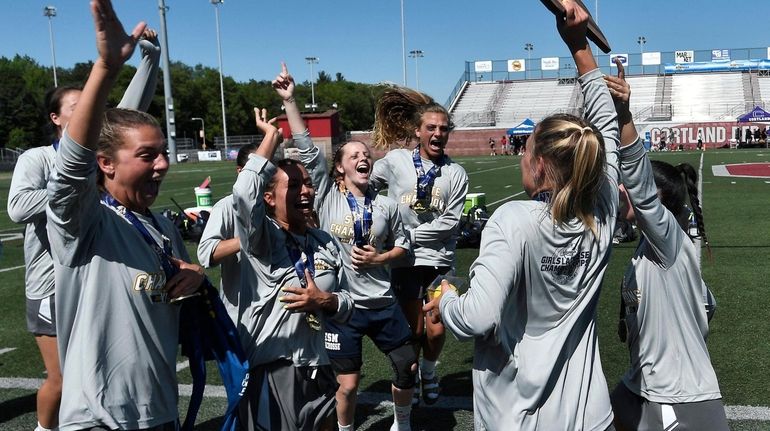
(691, 181)
(675, 185)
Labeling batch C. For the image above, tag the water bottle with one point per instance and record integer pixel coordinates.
(692, 225)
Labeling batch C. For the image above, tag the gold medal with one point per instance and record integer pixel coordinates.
(420, 206)
(313, 322)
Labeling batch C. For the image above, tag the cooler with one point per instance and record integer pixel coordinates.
(474, 200)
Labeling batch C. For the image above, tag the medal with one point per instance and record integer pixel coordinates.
(420, 206)
(302, 260)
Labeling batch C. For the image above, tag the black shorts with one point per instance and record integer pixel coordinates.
(281, 396)
(41, 316)
(636, 412)
(387, 327)
(413, 282)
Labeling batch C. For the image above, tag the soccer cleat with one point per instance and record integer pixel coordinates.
(430, 389)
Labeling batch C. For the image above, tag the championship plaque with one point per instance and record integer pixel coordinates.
(594, 33)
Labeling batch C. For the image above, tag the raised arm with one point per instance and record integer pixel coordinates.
(115, 47)
(141, 90)
(659, 226)
(309, 155)
(598, 104)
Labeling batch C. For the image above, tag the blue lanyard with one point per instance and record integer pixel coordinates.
(163, 253)
(55, 145)
(425, 180)
(544, 196)
(362, 219)
(300, 263)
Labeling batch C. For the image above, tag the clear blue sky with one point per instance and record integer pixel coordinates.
(362, 38)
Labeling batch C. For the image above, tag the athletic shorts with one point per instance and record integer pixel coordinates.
(41, 316)
(634, 412)
(413, 282)
(282, 396)
(386, 327)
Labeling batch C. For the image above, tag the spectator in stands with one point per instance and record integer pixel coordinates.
(492, 150)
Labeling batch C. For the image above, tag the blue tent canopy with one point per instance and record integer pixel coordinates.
(527, 127)
(756, 114)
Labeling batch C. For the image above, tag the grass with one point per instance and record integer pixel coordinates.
(737, 223)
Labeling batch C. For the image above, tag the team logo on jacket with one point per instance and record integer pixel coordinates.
(564, 264)
(153, 284)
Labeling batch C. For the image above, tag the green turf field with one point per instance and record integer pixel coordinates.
(737, 224)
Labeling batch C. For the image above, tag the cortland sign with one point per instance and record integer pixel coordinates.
(712, 134)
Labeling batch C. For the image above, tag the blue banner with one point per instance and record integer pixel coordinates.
(718, 66)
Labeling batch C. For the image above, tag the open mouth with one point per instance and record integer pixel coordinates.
(437, 145)
(304, 205)
(363, 168)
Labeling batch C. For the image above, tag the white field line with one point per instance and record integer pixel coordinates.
(506, 198)
(182, 365)
(490, 169)
(7, 349)
(700, 199)
(12, 268)
(760, 413)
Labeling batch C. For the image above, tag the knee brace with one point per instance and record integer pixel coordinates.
(402, 360)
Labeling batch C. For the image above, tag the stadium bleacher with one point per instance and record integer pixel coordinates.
(658, 94)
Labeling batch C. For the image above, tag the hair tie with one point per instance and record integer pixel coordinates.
(586, 129)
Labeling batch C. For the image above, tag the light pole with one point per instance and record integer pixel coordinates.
(216, 4)
(415, 54)
(311, 61)
(403, 42)
(203, 130)
(167, 94)
(528, 47)
(641, 40)
(50, 12)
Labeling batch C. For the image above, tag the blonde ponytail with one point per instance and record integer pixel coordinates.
(573, 152)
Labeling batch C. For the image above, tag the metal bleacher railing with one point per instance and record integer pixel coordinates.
(654, 81)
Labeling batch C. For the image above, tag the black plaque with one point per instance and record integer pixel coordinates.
(594, 33)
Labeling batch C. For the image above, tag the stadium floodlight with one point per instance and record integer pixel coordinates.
(311, 61)
(203, 129)
(415, 54)
(216, 4)
(529, 48)
(50, 12)
(641, 40)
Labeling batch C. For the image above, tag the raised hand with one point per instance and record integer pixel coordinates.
(573, 25)
(114, 45)
(284, 84)
(264, 124)
(619, 88)
(149, 42)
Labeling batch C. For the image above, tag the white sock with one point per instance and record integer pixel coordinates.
(427, 368)
(401, 416)
(42, 428)
(344, 427)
